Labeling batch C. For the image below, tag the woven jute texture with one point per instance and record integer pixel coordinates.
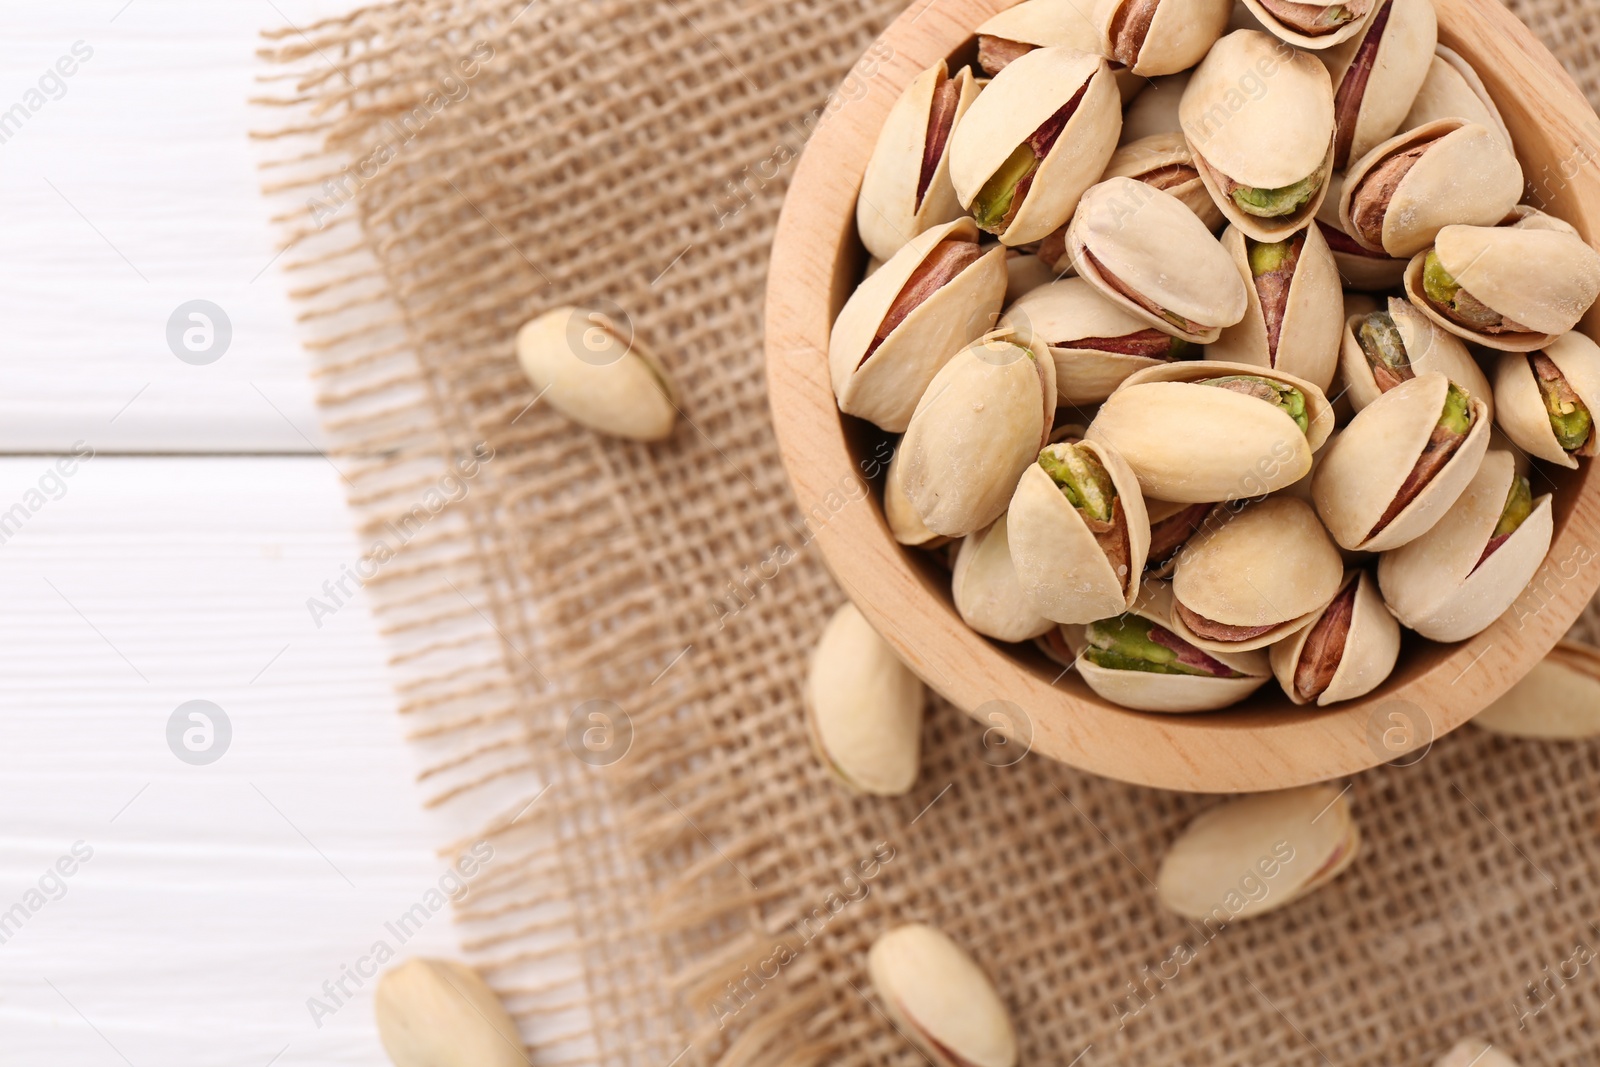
(599, 646)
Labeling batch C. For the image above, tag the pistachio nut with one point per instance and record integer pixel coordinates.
(863, 708)
(1254, 578)
(1360, 268)
(940, 999)
(987, 593)
(1296, 306)
(904, 522)
(1024, 274)
(981, 423)
(1143, 249)
(1155, 37)
(1293, 842)
(1136, 661)
(1079, 533)
(1398, 196)
(1162, 161)
(1401, 463)
(1472, 1053)
(1032, 24)
(1171, 527)
(1095, 343)
(1464, 573)
(1383, 348)
(1547, 399)
(906, 188)
(1559, 700)
(1257, 429)
(1452, 89)
(1034, 140)
(596, 373)
(1311, 25)
(438, 1013)
(1266, 156)
(1155, 109)
(1347, 651)
(1528, 217)
(1377, 73)
(1514, 287)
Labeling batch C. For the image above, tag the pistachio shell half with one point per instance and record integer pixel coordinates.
(1559, 700)
(1034, 140)
(940, 999)
(1259, 119)
(1311, 25)
(987, 593)
(1155, 37)
(1359, 268)
(1401, 463)
(1377, 73)
(1546, 400)
(1296, 306)
(1346, 651)
(1398, 196)
(1383, 348)
(1163, 161)
(1258, 853)
(1143, 249)
(1254, 578)
(596, 374)
(906, 188)
(863, 708)
(1041, 24)
(1472, 1053)
(898, 328)
(1452, 89)
(1463, 574)
(1155, 109)
(439, 1013)
(1256, 427)
(1514, 288)
(1171, 527)
(981, 423)
(904, 522)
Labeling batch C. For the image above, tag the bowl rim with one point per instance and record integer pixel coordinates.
(1255, 748)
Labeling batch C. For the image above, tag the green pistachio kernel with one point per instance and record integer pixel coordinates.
(1082, 479)
(1266, 257)
(1336, 15)
(1178, 349)
(993, 203)
(1457, 414)
(1570, 420)
(1519, 505)
(1275, 203)
(1437, 282)
(1381, 342)
(1290, 400)
(1124, 644)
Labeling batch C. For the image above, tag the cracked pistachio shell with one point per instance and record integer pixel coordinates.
(1410, 31)
(1559, 700)
(1296, 841)
(1022, 98)
(1359, 268)
(1179, 34)
(1429, 349)
(1365, 468)
(904, 522)
(595, 376)
(1063, 572)
(1069, 310)
(1268, 564)
(1528, 217)
(1263, 19)
(1046, 23)
(1467, 176)
(1522, 413)
(884, 387)
(981, 423)
(1371, 647)
(1024, 274)
(1474, 1053)
(1259, 113)
(439, 1013)
(888, 213)
(863, 708)
(1142, 158)
(1308, 341)
(987, 594)
(1170, 693)
(1435, 584)
(1452, 89)
(1532, 273)
(1155, 109)
(940, 999)
(1161, 419)
(1131, 234)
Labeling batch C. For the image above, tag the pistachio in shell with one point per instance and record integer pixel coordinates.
(1360, 268)
(940, 999)
(1265, 156)
(981, 423)
(1377, 73)
(439, 1013)
(1034, 140)
(1295, 310)
(1401, 463)
(1312, 26)
(1346, 651)
(1559, 700)
(1398, 196)
(988, 596)
(1288, 844)
(1162, 161)
(863, 708)
(1452, 89)
(1156, 37)
(1547, 399)
(904, 522)
(906, 188)
(1143, 249)
(1515, 288)
(1387, 346)
(1474, 1053)
(1155, 109)
(1254, 578)
(596, 373)
(898, 328)
(1256, 428)
(1032, 24)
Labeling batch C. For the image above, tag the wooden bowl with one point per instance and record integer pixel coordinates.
(1266, 743)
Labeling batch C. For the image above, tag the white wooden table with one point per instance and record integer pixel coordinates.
(174, 565)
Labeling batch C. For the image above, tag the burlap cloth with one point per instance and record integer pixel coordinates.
(699, 892)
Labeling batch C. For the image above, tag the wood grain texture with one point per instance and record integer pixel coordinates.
(1266, 743)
